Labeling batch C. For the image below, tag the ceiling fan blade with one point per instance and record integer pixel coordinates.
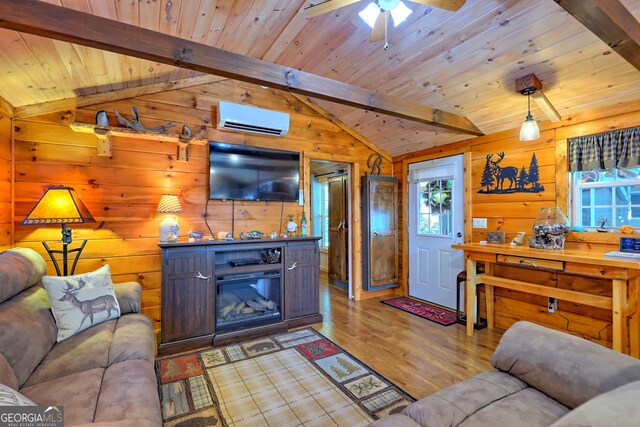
(452, 5)
(380, 28)
(326, 6)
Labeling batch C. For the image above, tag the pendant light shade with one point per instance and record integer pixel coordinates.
(529, 130)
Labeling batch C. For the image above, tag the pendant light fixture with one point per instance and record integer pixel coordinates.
(529, 130)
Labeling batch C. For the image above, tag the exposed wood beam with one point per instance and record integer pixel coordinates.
(47, 20)
(116, 95)
(526, 84)
(612, 22)
(348, 129)
(6, 109)
(546, 106)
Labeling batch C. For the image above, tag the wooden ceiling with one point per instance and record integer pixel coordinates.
(463, 62)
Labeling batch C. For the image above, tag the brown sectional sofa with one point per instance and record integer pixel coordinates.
(542, 378)
(102, 376)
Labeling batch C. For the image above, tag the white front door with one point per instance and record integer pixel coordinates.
(436, 221)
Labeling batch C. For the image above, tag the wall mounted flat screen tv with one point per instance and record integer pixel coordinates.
(239, 172)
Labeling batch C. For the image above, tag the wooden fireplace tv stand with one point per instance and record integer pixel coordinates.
(219, 292)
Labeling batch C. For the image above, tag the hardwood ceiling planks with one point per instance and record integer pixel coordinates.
(462, 62)
(56, 22)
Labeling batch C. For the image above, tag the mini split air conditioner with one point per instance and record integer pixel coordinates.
(243, 118)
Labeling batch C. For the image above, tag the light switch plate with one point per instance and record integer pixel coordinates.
(301, 197)
(479, 222)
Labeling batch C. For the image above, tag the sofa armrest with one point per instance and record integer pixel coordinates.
(569, 369)
(128, 295)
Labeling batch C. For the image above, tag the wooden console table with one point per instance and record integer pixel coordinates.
(624, 275)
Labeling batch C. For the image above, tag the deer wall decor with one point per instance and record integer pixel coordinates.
(520, 180)
(89, 307)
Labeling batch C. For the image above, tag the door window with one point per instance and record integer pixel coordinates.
(435, 208)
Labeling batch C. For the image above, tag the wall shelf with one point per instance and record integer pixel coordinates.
(104, 134)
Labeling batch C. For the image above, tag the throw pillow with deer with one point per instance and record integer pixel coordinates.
(81, 301)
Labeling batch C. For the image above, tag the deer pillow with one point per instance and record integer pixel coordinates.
(81, 301)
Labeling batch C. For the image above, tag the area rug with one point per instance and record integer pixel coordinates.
(423, 309)
(297, 378)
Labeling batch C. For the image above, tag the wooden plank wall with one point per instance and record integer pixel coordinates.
(122, 191)
(5, 183)
(516, 212)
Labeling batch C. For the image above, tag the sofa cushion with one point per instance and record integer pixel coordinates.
(527, 407)
(452, 405)
(395, 420)
(567, 368)
(78, 393)
(132, 339)
(20, 268)
(82, 300)
(87, 350)
(128, 295)
(616, 408)
(7, 376)
(11, 397)
(27, 315)
(129, 391)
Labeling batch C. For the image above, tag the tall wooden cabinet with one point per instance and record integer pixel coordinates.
(379, 232)
(338, 229)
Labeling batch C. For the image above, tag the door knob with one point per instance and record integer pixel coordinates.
(459, 234)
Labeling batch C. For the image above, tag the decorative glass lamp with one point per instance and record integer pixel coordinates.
(60, 205)
(169, 229)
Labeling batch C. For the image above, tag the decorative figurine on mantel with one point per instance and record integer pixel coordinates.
(291, 227)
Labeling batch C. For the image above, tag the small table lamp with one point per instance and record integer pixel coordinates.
(169, 203)
(60, 205)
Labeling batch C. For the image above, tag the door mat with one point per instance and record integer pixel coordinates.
(423, 309)
(298, 378)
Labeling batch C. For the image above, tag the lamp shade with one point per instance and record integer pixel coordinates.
(529, 130)
(169, 203)
(59, 205)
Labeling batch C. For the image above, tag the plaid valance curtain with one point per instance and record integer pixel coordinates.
(618, 148)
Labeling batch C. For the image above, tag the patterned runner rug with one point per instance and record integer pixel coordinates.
(297, 378)
(423, 309)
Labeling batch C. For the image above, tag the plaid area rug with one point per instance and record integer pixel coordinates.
(298, 378)
(423, 309)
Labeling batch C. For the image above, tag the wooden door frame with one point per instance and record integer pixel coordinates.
(437, 154)
(355, 225)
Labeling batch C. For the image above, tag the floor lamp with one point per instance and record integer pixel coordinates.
(60, 205)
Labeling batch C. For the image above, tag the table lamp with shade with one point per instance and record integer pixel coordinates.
(60, 205)
(170, 204)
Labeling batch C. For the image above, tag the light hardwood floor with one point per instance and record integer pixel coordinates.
(418, 355)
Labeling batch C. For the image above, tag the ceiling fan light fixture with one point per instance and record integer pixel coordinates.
(388, 4)
(400, 13)
(370, 14)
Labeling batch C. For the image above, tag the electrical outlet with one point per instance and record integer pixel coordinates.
(552, 306)
(479, 222)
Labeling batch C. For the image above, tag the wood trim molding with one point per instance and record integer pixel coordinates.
(6, 109)
(116, 95)
(56, 22)
(612, 22)
(348, 129)
(356, 229)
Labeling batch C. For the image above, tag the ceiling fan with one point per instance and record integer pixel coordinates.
(376, 14)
